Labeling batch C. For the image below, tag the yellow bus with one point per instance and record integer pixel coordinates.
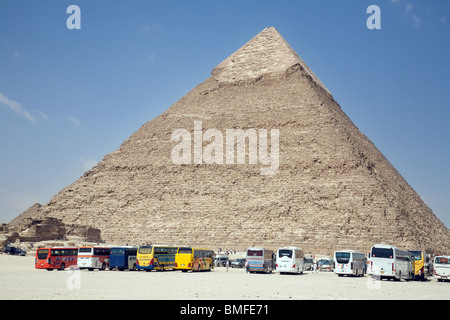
(156, 257)
(195, 259)
(419, 265)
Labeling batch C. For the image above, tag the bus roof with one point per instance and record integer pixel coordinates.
(386, 246)
(96, 247)
(58, 248)
(159, 246)
(124, 247)
(295, 248)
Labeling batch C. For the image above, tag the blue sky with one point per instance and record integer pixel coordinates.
(69, 97)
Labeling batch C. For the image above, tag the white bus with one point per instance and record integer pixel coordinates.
(349, 262)
(442, 268)
(290, 260)
(93, 258)
(259, 260)
(325, 264)
(308, 261)
(387, 261)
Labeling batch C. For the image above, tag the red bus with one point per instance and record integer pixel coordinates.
(56, 258)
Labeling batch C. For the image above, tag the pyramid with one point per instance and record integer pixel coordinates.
(175, 181)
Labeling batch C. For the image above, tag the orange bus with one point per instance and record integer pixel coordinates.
(56, 258)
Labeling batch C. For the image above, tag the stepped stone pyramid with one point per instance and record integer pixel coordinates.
(333, 189)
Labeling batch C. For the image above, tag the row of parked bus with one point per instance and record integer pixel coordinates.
(386, 261)
(125, 258)
(389, 262)
(383, 261)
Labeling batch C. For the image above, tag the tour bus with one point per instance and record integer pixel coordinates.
(157, 257)
(420, 265)
(309, 261)
(442, 268)
(325, 264)
(195, 259)
(123, 258)
(387, 261)
(93, 258)
(56, 258)
(290, 260)
(349, 262)
(260, 259)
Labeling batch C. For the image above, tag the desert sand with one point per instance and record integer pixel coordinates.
(20, 280)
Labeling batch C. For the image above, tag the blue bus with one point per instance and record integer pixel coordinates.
(123, 258)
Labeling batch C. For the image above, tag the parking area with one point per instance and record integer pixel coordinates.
(19, 280)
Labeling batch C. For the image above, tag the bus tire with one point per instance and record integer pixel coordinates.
(62, 267)
(103, 267)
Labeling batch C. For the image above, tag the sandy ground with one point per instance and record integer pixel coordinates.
(20, 280)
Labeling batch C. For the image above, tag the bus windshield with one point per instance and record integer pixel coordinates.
(285, 253)
(42, 253)
(185, 250)
(342, 257)
(254, 253)
(117, 251)
(441, 260)
(85, 250)
(383, 253)
(417, 255)
(145, 250)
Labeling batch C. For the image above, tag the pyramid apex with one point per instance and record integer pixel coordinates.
(266, 53)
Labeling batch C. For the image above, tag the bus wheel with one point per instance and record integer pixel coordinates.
(134, 267)
(62, 267)
(103, 266)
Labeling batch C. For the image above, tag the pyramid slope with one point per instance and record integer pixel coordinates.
(333, 189)
(27, 214)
